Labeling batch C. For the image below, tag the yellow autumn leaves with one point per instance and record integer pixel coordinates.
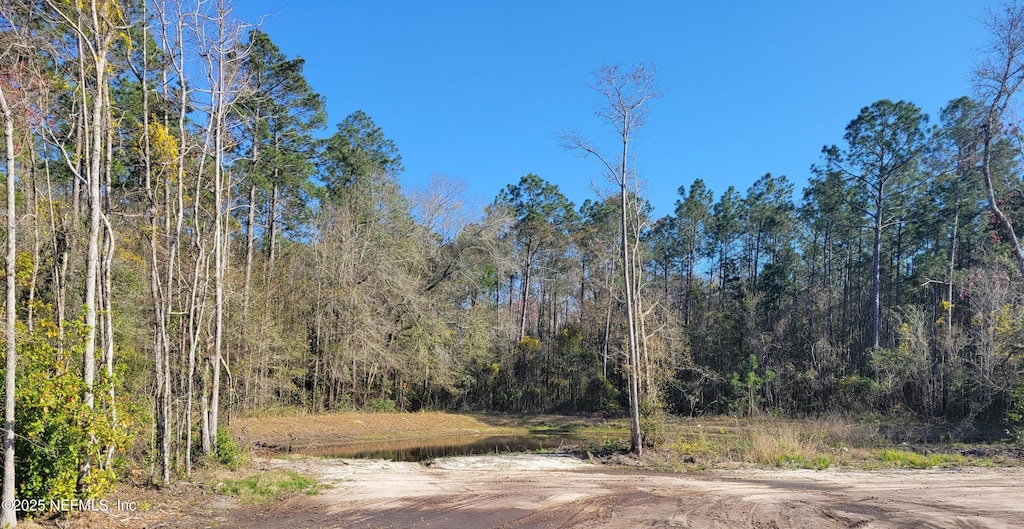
(163, 150)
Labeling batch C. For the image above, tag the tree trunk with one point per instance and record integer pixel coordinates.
(173, 251)
(876, 277)
(220, 264)
(92, 269)
(272, 234)
(95, 210)
(947, 349)
(632, 365)
(8, 514)
(250, 239)
(636, 444)
(524, 290)
(1016, 251)
(107, 282)
(36, 245)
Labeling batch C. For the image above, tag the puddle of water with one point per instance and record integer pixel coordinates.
(424, 449)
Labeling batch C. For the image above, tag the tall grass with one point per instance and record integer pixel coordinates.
(767, 441)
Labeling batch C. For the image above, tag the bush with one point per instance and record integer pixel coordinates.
(1015, 416)
(602, 395)
(57, 433)
(856, 393)
(381, 405)
(229, 453)
(652, 422)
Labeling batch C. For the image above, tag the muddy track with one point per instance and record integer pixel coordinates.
(535, 491)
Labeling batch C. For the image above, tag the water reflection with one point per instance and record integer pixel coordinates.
(423, 449)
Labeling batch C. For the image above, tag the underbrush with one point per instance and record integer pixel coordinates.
(809, 444)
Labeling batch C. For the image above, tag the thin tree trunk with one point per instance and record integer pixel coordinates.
(604, 344)
(220, 229)
(635, 440)
(876, 277)
(92, 269)
(107, 283)
(250, 239)
(986, 170)
(36, 244)
(218, 282)
(95, 210)
(8, 514)
(176, 248)
(947, 350)
(272, 222)
(524, 290)
(161, 302)
(60, 261)
(204, 429)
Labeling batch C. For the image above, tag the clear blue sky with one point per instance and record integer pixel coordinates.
(477, 89)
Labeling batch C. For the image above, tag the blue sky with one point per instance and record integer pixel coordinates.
(478, 90)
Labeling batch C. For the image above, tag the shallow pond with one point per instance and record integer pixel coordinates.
(424, 449)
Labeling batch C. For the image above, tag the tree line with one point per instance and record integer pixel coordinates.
(186, 242)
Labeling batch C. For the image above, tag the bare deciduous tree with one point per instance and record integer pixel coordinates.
(998, 79)
(8, 515)
(627, 95)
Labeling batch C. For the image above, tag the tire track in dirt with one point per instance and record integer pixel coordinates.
(533, 492)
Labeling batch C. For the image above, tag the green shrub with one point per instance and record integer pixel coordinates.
(602, 395)
(57, 433)
(229, 453)
(652, 422)
(381, 405)
(1015, 416)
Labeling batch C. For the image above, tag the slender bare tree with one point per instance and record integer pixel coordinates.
(96, 25)
(8, 515)
(626, 95)
(998, 79)
(219, 36)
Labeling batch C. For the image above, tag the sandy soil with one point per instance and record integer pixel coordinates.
(553, 491)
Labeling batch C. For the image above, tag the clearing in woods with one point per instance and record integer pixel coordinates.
(559, 490)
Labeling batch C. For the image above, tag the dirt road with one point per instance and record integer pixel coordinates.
(554, 491)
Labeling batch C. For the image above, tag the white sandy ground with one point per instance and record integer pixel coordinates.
(552, 491)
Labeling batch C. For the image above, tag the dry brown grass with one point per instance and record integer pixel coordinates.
(773, 442)
(355, 427)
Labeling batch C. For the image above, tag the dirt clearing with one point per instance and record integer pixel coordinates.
(544, 491)
(562, 491)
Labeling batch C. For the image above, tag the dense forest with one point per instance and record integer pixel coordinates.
(187, 242)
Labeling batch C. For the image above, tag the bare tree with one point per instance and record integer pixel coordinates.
(8, 515)
(95, 26)
(627, 95)
(997, 80)
(172, 31)
(219, 40)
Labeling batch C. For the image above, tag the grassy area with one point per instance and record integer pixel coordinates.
(905, 459)
(812, 443)
(267, 486)
(687, 443)
(359, 427)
